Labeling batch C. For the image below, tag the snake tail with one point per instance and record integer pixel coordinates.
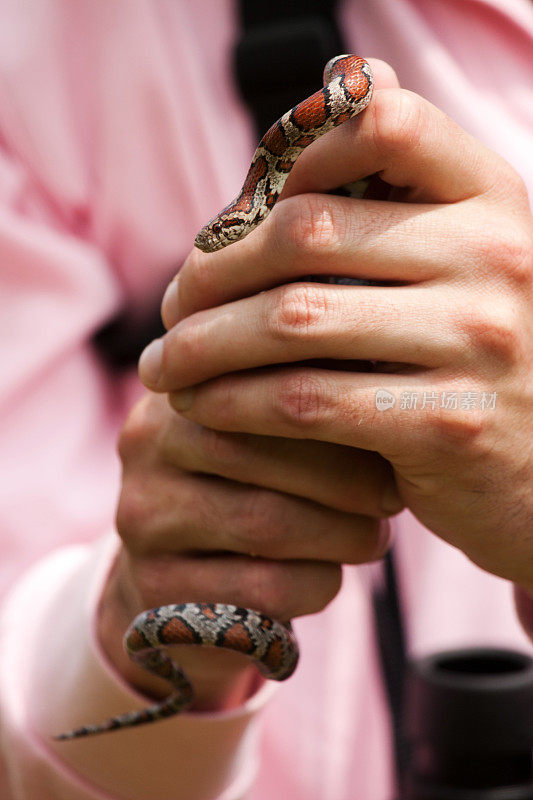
(270, 644)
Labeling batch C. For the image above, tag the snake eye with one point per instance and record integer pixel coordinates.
(217, 228)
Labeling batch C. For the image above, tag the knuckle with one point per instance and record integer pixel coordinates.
(140, 429)
(266, 585)
(197, 272)
(462, 428)
(259, 528)
(219, 447)
(133, 515)
(495, 332)
(301, 400)
(509, 251)
(274, 587)
(369, 542)
(305, 225)
(398, 121)
(151, 575)
(514, 183)
(128, 441)
(297, 309)
(186, 340)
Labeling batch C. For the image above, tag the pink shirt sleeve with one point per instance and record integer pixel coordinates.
(92, 218)
(59, 679)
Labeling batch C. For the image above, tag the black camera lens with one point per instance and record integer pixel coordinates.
(470, 726)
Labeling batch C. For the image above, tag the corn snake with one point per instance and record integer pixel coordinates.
(269, 643)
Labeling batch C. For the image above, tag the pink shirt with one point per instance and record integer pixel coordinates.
(120, 134)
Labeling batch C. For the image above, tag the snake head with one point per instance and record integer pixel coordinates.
(227, 227)
(211, 238)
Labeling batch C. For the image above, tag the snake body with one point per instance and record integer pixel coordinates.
(269, 643)
(347, 91)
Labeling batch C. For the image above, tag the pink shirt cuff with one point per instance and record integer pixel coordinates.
(58, 679)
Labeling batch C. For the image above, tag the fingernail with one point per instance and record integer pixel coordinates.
(169, 305)
(182, 400)
(391, 502)
(150, 363)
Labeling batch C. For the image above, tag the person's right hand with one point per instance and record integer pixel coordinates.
(255, 521)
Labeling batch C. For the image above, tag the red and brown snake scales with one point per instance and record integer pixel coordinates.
(271, 644)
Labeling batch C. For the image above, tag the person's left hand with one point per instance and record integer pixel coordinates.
(452, 332)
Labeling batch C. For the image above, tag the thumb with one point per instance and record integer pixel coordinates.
(383, 74)
(409, 142)
(303, 179)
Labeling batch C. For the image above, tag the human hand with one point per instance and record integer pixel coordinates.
(453, 327)
(256, 521)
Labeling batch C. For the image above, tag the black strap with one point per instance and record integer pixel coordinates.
(121, 340)
(283, 48)
(390, 636)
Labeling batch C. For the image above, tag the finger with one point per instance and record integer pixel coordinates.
(408, 141)
(383, 74)
(280, 589)
(338, 477)
(324, 234)
(195, 514)
(384, 77)
(394, 415)
(302, 321)
(411, 144)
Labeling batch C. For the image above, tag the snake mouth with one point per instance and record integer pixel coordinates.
(208, 242)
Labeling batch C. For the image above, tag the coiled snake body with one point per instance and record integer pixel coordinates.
(271, 644)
